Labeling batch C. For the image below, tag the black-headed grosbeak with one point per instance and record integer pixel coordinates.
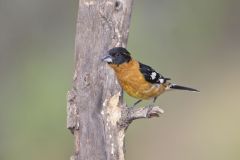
(138, 80)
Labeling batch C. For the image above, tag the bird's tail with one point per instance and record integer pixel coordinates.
(174, 86)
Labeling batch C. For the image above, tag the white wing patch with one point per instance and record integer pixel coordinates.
(161, 80)
(153, 75)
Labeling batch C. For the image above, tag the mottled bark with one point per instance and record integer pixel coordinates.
(97, 116)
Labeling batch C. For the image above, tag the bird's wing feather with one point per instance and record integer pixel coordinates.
(151, 75)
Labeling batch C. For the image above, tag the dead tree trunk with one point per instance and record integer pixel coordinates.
(96, 114)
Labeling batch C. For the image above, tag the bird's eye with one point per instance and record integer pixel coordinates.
(114, 54)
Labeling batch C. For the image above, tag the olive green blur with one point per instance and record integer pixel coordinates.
(194, 42)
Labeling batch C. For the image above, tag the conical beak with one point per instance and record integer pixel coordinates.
(107, 58)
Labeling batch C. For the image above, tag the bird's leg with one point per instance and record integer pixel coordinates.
(151, 105)
(136, 103)
(145, 112)
(154, 99)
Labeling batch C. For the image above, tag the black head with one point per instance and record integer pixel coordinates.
(117, 55)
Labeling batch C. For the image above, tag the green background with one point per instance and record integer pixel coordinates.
(196, 43)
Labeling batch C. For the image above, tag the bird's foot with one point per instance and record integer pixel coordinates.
(150, 107)
(153, 111)
(143, 112)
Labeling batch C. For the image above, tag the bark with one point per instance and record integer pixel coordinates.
(97, 116)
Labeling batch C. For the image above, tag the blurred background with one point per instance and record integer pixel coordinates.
(196, 43)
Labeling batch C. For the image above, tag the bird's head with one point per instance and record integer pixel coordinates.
(117, 56)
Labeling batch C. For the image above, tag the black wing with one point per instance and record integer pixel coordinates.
(151, 75)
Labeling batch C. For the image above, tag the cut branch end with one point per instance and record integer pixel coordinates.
(145, 112)
(130, 114)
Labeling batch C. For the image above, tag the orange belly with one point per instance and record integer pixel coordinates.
(140, 90)
(133, 82)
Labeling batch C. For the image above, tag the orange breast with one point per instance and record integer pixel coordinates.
(132, 81)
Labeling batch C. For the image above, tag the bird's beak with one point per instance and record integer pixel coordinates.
(107, 58)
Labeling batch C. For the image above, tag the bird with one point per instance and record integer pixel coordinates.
(137, 79)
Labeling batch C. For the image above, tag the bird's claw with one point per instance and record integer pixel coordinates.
(149, 114)
(154, 111)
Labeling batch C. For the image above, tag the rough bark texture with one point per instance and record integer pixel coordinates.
(96, 114)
